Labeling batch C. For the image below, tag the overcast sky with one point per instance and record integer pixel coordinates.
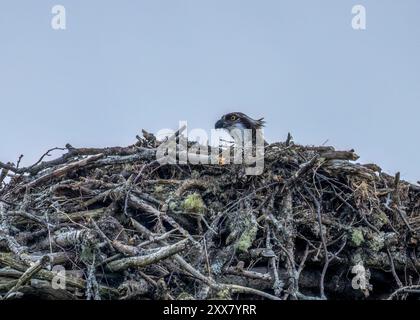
(125, 65)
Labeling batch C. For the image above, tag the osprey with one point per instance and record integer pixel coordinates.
(240, 122)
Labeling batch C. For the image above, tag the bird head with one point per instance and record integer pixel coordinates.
(238, 120)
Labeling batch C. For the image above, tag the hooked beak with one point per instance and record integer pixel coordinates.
(219, 124)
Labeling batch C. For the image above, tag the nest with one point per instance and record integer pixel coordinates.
(114, 223)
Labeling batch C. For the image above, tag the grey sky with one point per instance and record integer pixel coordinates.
(125, 65)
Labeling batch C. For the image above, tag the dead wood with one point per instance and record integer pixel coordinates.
(119, 225)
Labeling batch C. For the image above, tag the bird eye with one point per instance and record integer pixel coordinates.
(233, 118)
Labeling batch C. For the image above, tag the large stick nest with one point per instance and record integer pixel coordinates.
(113, 223)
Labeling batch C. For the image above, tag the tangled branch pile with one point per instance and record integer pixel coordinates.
(113, 223)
